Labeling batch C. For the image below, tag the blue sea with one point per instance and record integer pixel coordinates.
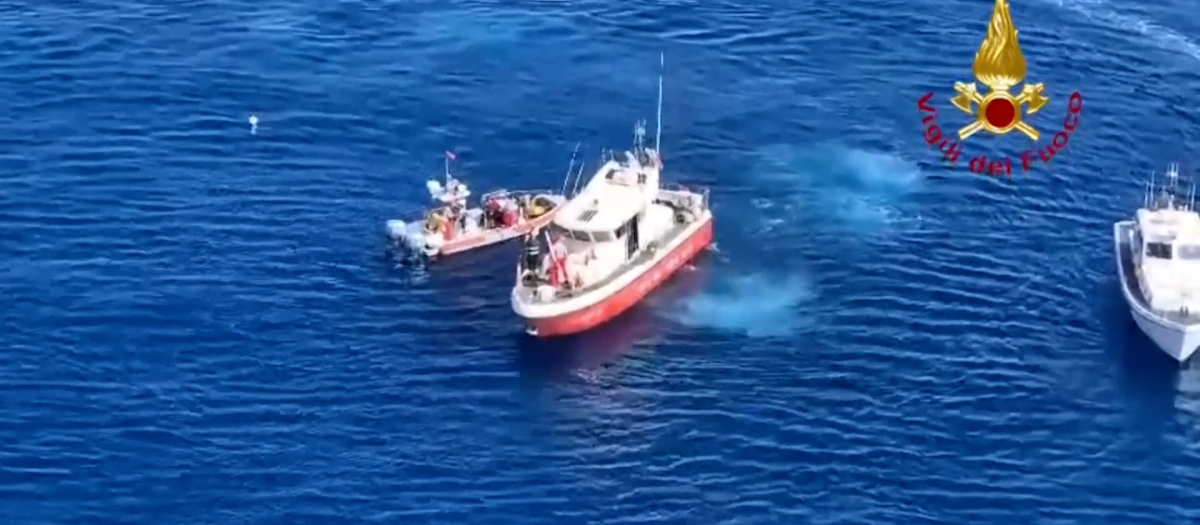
(201, 323)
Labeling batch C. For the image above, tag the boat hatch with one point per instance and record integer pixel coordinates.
(1158, 250)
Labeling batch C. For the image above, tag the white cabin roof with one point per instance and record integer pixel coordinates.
(607, 201)
(1168, 225)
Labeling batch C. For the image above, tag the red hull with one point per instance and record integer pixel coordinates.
(625, 298)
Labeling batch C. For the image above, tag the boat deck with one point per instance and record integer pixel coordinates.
(644, 256)
(1129, 281)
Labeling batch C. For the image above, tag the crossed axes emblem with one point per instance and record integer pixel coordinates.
(998, 111)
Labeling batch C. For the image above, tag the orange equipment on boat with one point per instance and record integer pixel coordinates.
(434, 221)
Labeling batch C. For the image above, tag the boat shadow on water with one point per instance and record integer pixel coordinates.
(1148, 378)
(564, 357)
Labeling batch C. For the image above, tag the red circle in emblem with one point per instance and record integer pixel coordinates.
(1000, 113)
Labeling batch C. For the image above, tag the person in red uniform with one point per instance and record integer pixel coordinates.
(493, 213)
(558, 272)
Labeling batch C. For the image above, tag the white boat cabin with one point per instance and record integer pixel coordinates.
(612, 218)
(1166, 248)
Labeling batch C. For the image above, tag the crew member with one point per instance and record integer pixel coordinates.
(509, 217)
(452, 187)
(558, 271)
(460, 217)
(560, 247)
(523, 207)
(533, 252)
(493, 213)
(448, 218)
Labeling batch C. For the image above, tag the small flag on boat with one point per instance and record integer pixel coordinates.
(450, 155)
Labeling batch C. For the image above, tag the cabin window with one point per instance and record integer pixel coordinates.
(1158, 250)
(622, 231)
(1188, 252)
(602, 236)
(557, 231)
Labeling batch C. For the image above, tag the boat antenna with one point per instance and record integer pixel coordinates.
(1173, 174)
(1150, 196)
(1191, 198)
(578, 177)
(1146, 194)
(570, 169)
(658, 132)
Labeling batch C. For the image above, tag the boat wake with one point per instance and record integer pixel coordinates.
(857, 189)
(1103, 12)
(757, 305)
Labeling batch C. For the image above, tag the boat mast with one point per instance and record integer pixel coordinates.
(1172, 187)
(658, 132)
(570, 169)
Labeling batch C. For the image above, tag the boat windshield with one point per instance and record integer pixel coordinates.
(580, 235)
(1158, 250)
(1188, 252)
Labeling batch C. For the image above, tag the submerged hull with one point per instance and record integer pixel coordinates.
(616, 302)
(1177, 337)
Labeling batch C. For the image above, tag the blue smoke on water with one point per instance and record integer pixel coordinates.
(804, 196)
(860, 190)
(755, 305)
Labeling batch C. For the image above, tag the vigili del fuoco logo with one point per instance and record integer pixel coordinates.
(1000, 66)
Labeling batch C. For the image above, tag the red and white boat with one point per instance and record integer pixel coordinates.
(613, 243)
(453, 227)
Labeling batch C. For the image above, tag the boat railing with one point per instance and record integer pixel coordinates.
(1171, 194)
(501, 193)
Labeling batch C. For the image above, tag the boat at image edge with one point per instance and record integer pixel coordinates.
(1158, 258)
(618, 239)
(453, 227)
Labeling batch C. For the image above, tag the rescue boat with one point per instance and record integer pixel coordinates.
(451, 226)
(613, 243)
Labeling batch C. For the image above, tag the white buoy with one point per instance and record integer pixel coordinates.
(253, 124)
